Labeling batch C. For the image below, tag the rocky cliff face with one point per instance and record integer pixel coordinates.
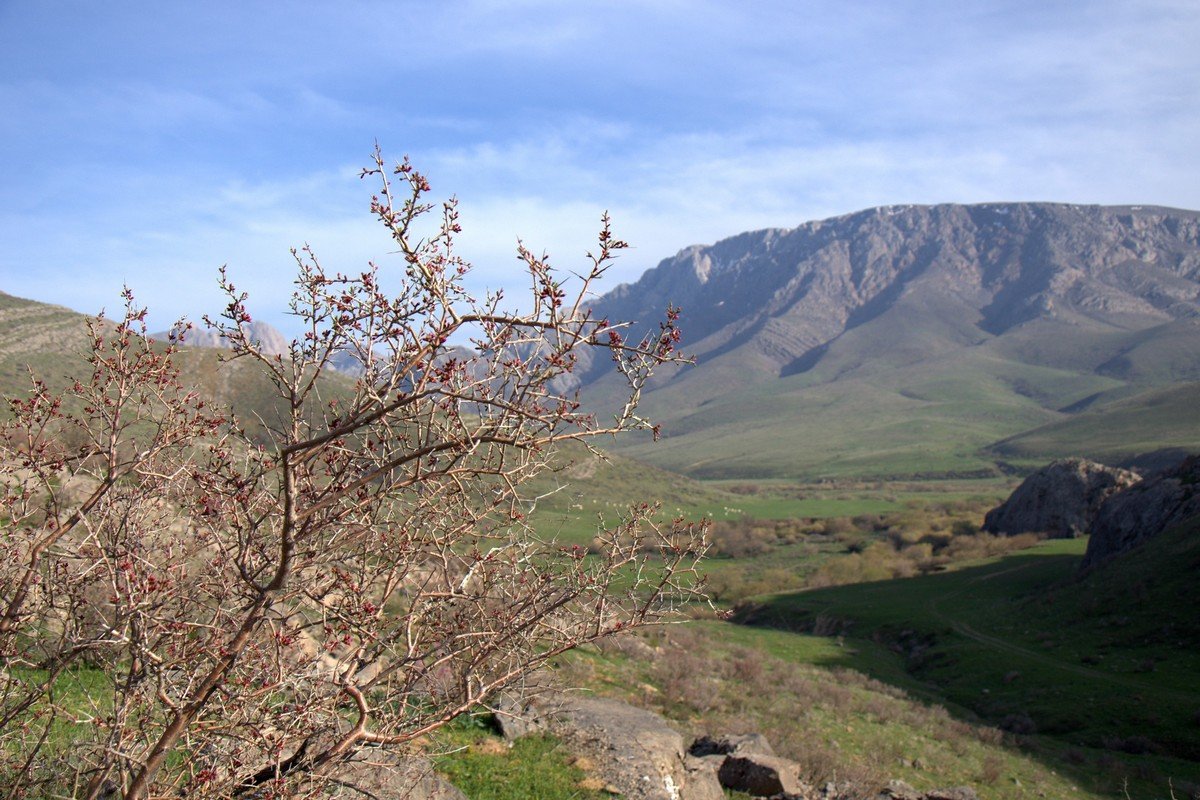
(1060, 499)
(1143, 511)
(776, 297)
(269, 338)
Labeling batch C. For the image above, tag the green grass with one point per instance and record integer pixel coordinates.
(485, 767)
(934, 421)
(924, 402)
(1099, 666)
(587, 490)
(1110, 432)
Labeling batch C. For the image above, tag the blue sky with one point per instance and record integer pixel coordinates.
(149, 143)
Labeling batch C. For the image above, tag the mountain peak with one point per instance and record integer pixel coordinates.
(267, 337)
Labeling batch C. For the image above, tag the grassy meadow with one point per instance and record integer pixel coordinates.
(876, 634)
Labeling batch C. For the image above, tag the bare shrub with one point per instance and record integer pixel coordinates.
(740, 538)
(991, 769)
(828, 625)
(686, 678)
(748, 666)
(189, 610)
(1073, 755)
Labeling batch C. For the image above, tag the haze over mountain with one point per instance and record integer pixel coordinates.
(928, 339)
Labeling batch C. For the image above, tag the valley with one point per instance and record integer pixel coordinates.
(865, 389)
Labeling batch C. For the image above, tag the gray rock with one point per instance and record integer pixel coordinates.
(1143, 511)
(1061, 499)
(518, 715)
(899, 790)
(732, 744)
(409, 779)
(376, 774)
(634, 750)
(954, 793)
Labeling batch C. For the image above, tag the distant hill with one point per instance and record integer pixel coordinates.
(272, 342)
(927, 340)
(269, 338)
(51, 341)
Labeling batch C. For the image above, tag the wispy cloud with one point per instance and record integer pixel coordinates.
(153, 145)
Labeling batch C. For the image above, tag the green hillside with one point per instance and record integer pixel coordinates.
(907, 342)
(1101, 667)
(959, 414)
(1115, 429)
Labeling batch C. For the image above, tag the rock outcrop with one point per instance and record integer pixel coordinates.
(638, 755)
(633, 750)
(267, 337)
(899, 790)
(1144, 510)
(1061, 499)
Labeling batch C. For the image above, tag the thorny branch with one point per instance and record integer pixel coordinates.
(203, 605)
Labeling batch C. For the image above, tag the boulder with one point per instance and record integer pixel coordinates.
(1143, 511)
(953, 793)
(899, 790)
(634, 750)
(377, 774)
(1061, 499)
(518, 715)
(732, 744)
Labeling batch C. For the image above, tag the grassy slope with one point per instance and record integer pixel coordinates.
(1124, 426)
(712, 677)
(51, 342)
(928, 419)
(920, 392)
(1099, 665)
(34, 336)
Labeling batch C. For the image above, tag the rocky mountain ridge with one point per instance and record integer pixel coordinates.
(272, 341)
(910, 341)
(1058, 305)
(785, 293)
(269, 338)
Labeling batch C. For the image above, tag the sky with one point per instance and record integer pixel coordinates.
(149, 143)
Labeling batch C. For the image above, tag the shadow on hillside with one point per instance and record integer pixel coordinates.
(1093, 666)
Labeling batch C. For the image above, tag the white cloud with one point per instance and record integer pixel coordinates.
(156, 160)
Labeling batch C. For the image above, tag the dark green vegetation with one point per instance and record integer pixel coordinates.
(1096, 675)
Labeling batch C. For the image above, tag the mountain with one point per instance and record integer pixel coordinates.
(266, 336)
(926, 340)
(269, 338)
